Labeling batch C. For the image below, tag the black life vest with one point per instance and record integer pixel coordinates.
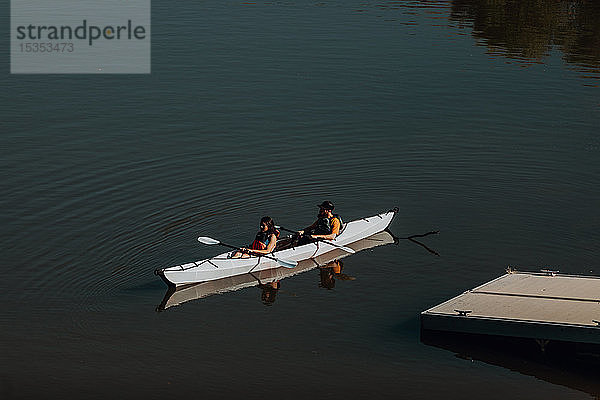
(261, 241)
(325, 225)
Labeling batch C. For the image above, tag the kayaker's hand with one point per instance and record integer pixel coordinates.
(300, 233)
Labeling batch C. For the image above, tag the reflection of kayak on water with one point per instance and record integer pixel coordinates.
(223, 266)
(177, 296)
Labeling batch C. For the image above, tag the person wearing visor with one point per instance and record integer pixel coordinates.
(327, 226)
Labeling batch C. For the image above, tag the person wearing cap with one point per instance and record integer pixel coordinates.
(327, 226)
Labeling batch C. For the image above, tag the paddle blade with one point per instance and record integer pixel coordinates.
(344, 248)
(208, 240)
(347, 249)
(287, 263)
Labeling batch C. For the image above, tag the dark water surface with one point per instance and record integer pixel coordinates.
(477, 118)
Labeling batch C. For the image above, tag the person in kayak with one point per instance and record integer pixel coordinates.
(327, 226)
(264, 242)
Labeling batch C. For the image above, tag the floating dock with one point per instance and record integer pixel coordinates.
(545, 306)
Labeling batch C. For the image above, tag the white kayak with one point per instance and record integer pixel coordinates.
(176, 296)
(222, 266)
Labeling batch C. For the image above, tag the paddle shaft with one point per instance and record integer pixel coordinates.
(282, 262)
(347, 249)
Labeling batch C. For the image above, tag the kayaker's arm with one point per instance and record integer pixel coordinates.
(324, 237)
(270, 246)
(335, 230)
(308, 229)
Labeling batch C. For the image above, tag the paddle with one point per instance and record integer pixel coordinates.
(210, 241)
(346, 249)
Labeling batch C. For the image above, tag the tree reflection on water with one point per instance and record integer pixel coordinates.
(528, 30)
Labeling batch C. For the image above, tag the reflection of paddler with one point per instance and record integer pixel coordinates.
(269, 292)
(327, 280)
(337, 266)
(332, 271)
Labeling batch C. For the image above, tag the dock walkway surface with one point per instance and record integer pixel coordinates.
(540, 305)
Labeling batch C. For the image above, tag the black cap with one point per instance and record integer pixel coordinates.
(327, 205)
